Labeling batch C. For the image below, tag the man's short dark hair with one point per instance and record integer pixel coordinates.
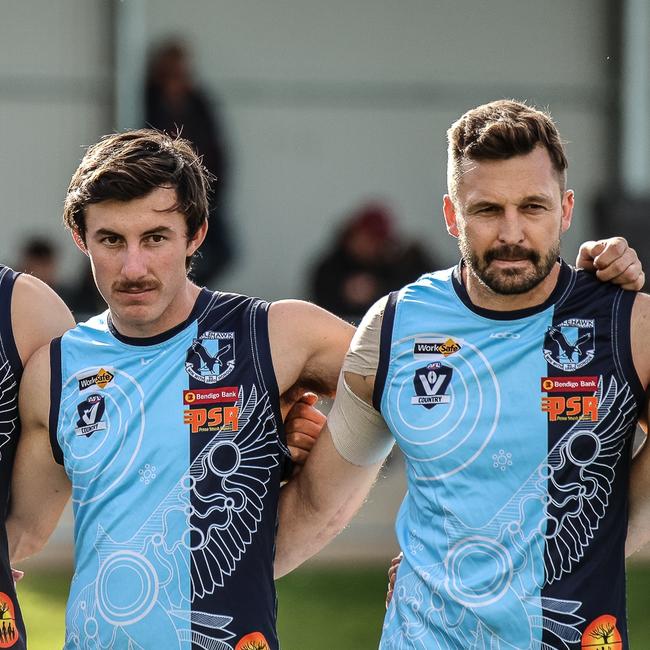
(129, 165)
(500, 130)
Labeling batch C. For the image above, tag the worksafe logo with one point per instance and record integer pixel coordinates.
(432, 348)
(101, 379)
(431, 384)
(571, 344)
(211, 357)
(91, 412)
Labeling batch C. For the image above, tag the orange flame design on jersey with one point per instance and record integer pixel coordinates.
(602, 634)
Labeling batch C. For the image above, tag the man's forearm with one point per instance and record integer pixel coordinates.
(318, 504)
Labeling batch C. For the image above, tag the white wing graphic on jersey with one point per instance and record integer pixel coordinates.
(8, 404)
(571, 488)
(219, 505)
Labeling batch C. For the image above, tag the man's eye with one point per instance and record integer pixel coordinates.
(110, 240)
(156, 239)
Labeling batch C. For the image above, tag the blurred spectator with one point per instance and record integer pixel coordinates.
(174, 103)
(368, 259)
(38, 257)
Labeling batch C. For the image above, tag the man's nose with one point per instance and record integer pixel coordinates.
(511, 227)
(133, 263)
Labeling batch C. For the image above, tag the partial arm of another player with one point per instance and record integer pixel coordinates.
(40, 487)
(612, 260)
(638, 532)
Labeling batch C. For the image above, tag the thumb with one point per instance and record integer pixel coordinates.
(309, 398)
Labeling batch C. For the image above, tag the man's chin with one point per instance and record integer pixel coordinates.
(510, 282)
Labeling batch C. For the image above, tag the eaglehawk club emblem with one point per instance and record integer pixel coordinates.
(571, 344)
(211, 357)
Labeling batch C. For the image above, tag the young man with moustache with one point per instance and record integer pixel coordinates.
(513, 384)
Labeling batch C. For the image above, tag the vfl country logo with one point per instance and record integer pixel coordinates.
(430, 385)
(436, 347)
(571, 344)
(101, 379)
(602, 634)
(8, 632)
(91, 412)
(211, 357)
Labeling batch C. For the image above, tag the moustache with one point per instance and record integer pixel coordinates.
(134, 286)
(511, 252)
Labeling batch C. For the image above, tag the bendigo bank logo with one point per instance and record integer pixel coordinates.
(101, 379)
(602, 634)
(431, 384)
(8, 632)
(570, 407)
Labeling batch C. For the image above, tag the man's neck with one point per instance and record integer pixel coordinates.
(482, 296)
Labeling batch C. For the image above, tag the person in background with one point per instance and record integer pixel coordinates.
(368, 259)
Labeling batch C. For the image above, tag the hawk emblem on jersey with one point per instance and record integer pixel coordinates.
(571, 344)
(211, 357)
(430, 384)
(91, 412)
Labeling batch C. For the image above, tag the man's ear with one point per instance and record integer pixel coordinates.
(567, 210)
(449, 211)
(195, 243)
(78, 240)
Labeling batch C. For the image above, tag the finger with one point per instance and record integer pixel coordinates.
(309, 398)
(389, 596)
(615, 247)
(635, 284)
(306, 411)
(301, 441)
(622, 268)
(587, 252)
(298, 456)
(17, 575)
(308, 427)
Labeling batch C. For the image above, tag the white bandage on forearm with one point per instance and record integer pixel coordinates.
(359, 432)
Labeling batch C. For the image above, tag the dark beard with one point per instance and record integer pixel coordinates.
(509, 281)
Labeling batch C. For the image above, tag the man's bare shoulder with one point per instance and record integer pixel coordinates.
(308, 344)
(37, 315)
(640, 334)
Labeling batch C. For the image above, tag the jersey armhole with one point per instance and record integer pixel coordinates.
(8, 279)
(622, 335)
(384, 349)
(55, 398)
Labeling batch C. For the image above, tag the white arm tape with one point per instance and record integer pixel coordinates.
(359, 432)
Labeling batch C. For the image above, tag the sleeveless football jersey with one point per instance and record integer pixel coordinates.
(517, 431)
(12, 629)
(175, 448)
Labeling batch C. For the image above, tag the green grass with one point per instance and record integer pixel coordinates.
(320, 609)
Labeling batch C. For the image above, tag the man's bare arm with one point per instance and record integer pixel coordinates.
(40, 487)
(638, 533)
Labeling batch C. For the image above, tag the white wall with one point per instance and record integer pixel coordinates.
(328, 103)
(55, 95)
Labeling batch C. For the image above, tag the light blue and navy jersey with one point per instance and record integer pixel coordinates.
(175, 449)
(517, 431)
(12, 629)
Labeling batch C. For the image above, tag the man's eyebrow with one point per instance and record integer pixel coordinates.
(536, 198)
(105, 232)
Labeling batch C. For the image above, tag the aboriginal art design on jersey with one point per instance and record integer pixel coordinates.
(8, 404)
(573, 486)
(207, 520)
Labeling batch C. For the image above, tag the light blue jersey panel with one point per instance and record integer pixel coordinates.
(472, 522)
(128, 471)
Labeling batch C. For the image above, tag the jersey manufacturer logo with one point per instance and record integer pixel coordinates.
(505, 335)
(211, 395)
(571, 344)
(218, 418)
(602, 634)
(91, 412)
(430, 385)
(571, 384)
(8, 633)
(432, 348)
(211, 357)
(101, 379)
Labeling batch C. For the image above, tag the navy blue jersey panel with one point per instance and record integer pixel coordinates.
(230, 357)
(10, 372)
